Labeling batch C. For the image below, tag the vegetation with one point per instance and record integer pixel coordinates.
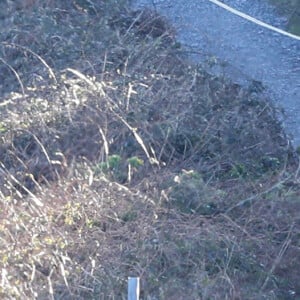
(291, 9)
(118, 158)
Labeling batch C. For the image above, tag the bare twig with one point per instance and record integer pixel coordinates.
(26, 49)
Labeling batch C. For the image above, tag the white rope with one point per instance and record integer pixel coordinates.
(251, 19)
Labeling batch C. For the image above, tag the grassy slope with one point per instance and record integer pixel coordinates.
(119, 159)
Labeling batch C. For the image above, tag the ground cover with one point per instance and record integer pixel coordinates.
(118, 158)
(291, 9)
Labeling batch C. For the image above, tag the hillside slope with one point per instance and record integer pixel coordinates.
(120, 158)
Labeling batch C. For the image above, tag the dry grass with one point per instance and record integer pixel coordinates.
(119, 159)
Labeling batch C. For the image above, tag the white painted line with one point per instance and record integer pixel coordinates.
(253, 20)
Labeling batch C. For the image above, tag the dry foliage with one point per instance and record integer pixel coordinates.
(119, 159)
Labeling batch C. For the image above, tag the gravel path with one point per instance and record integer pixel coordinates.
(249, 52)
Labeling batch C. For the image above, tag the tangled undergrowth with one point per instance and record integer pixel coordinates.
(118, 158)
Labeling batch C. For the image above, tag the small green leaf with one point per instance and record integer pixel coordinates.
(135, 162)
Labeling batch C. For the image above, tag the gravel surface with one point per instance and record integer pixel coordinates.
(247, 51)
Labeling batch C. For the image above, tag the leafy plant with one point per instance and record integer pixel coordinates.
(238, 170)
(135, 162)
(118, 168)
(3, 128)
(191, 195)
(112, 164)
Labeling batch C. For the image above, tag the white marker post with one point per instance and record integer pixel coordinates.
(133, 288)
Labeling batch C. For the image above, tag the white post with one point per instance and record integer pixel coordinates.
(133, 288)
